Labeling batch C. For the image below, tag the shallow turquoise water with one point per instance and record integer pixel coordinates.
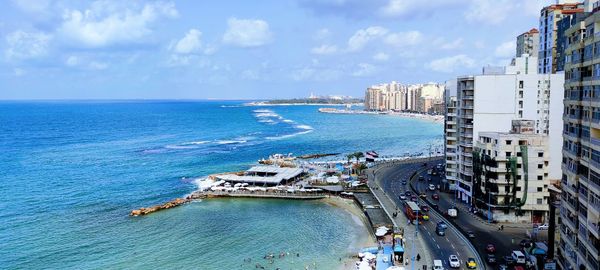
(71, 172)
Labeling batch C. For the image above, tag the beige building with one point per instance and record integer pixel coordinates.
(528, 43)
(510, 174)
(425, 98)
(579, 244)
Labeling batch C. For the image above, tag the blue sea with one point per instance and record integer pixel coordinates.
(70, 172)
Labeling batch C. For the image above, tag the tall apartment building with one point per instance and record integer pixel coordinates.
(524, 93)
(580, 199)
(510, 174)
(528, 43)
(395, 96)
(549, 16)
(450, 133)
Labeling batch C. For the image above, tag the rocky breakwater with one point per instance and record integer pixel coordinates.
(170, 204)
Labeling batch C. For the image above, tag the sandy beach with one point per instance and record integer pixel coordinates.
(427, 117)
(361, 241)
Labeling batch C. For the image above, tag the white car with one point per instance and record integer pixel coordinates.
(454, 261)
(542, 227)
(431, 187)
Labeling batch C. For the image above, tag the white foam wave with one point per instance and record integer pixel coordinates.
(288, 135)
(203, 183)
(306, 127)
(231, 141)
(288, 121)
(262, 111)
(266, 121)
(230, 106)
(196, 143)
(266, 114)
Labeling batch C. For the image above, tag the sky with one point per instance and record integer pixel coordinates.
(224, 49)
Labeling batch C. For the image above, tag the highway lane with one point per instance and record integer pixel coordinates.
(441, 246)
(505, 241)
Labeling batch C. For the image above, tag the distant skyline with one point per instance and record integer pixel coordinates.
(248, 49)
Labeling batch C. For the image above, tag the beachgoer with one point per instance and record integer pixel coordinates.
(418, 257)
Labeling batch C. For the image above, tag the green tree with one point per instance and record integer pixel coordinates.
(358, 155)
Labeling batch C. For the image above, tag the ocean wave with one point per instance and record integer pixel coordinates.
(288, 121)
(267, 114)
(305, 127)
(179, 147)
(203, 183)
(230, 106)
(231, 141)
(269, 121)
(288, 135)
(262, 111)
(195, 143)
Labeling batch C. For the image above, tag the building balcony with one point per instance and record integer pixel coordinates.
(468, 97)
(593, 227)
(570, 223)
(588, 244)
(595, 141)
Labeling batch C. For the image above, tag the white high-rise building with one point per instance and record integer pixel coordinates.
(490, 101)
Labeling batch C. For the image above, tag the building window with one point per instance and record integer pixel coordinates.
(518, 154)
(540, 201)
(540, 154)
(540, 166)
(540, 177)
(539, 189)
(508, 142)
(508, 154)
(520, 84)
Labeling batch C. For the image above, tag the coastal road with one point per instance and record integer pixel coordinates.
(440, 247)
(485, 233)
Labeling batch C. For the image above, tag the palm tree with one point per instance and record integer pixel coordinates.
(360, 168)
(358, 155)
(349, 157)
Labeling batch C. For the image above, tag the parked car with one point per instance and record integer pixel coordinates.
(490, 248)
(402, 197)
(491, 259)
(431, 187)
(502, 267)
(414, 198)
(508, 260)
(471, 264)
(470, 234)
(408, 193)
(403, 182)
(453, 261)
(542, 227)
(434, 206)
(525, 243)
(425, 208)
(435, 196)
(423, 195)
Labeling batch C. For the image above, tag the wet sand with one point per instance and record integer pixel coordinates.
(366, 239)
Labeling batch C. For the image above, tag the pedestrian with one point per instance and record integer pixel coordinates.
(418, 257)
(406, 261)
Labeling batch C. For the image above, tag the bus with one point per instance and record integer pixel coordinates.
(413, 211)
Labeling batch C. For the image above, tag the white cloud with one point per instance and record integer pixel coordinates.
(191, 43)
(403, 39)
(250, 74)
(506, 49)
(360, 39)
(324, 49)
(480, 44)
(457, 43)
(98, 65)
(109, 23)
(26, 45)
(451, 63)
(247, 33)
(18, 72)
(72, 61)
(489, 11)
(381, 56)
(364, 69)
(32, 6)
(404, 8)
(322, 34)
(316, 74)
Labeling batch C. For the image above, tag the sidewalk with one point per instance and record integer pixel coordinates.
(401, 221)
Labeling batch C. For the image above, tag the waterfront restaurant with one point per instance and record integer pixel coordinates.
(265, 176)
